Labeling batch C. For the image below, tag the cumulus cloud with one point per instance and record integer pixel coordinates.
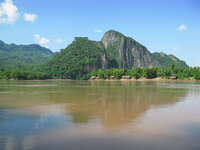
(41, 40)
(98, 31)
(30, 17)
(182, 27)
(8, 12)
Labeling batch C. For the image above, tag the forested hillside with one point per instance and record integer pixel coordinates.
(16, 56)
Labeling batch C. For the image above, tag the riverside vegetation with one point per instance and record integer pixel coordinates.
(114, 73)
(115, 56)
(149, 73)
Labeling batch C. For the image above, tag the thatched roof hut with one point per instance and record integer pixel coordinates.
(173, 77)
(126, 77)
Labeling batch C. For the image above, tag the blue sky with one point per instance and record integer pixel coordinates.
(170, 26)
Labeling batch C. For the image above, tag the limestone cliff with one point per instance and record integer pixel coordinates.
(125, 52)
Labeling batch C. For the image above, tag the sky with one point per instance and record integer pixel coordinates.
(170, 26)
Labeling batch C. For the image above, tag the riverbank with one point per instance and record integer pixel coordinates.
(147, 80)
(114, 80)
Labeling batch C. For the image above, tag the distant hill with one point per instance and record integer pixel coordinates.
(115, 50)
(167, 60)
(13, 56)
(78, 58)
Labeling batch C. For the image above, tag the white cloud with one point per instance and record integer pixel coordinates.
(30, 17)
(98, 31)
(59, 41)
(8, 12)
(182, 27)
(41, 40)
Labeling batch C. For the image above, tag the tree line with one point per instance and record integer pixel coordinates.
(20, 74)
(136, 73)
(149, 73)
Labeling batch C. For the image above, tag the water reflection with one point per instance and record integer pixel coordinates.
(97, 115)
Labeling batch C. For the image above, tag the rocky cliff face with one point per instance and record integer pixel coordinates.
(126, 52)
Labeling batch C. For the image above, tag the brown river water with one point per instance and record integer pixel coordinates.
(89, 115)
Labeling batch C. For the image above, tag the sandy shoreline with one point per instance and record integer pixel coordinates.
(148, 80)
(114, 80)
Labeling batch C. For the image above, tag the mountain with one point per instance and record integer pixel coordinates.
(167, 60)
(126, 51)
(13, 56)
(80, 57)
(115, 50)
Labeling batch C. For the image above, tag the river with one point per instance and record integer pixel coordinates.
(99, 115)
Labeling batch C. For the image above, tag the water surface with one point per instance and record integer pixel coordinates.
(84, 115)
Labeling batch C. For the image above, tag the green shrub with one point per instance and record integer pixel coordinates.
(99, 73)
(164, 72)
(150, 73)
(197, 76)
(135, 73)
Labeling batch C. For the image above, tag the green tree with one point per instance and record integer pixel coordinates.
(135, 73)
